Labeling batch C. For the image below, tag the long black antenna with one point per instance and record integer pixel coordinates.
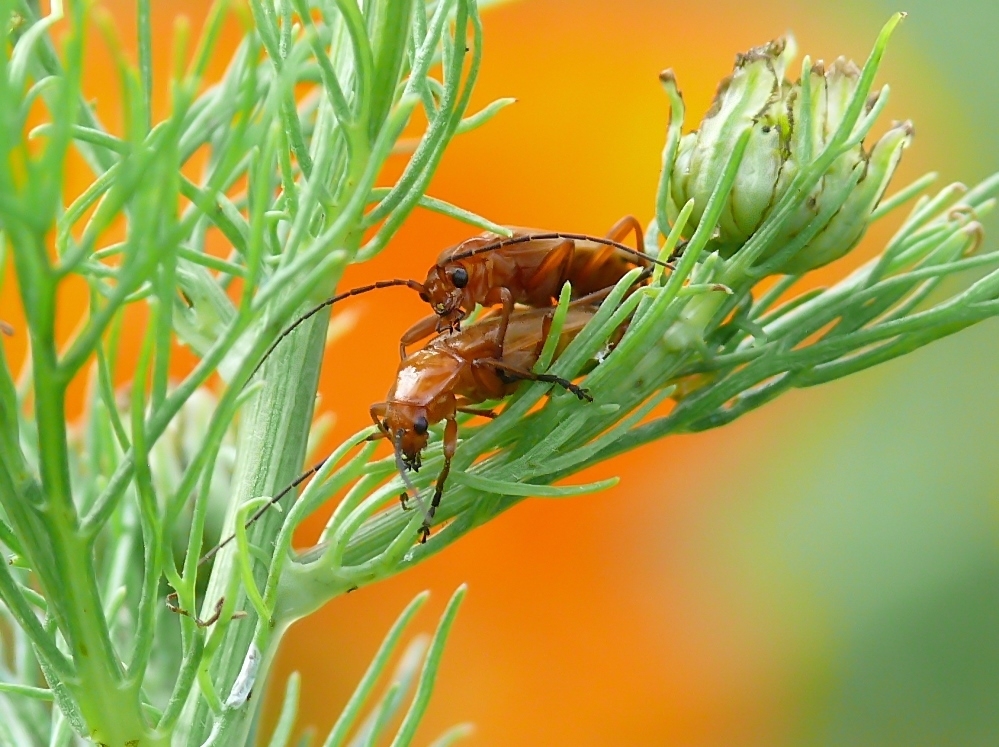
(263, 509)
(400, 465)
(329, 302)
(501, 243)
(418, 287)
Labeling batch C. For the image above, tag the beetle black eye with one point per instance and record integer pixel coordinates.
(424, 297)
(459, 277)
(420, 425)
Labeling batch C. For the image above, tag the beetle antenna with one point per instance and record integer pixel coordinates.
(501, 243)
(260, 511)
(400, 465)
(329, 302)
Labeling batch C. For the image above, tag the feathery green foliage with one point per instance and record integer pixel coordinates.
(297, 130)
(105, 518)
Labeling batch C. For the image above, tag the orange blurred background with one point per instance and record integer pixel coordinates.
(683, 607)
(822, 571)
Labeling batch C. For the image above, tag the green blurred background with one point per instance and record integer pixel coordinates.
(868, 538)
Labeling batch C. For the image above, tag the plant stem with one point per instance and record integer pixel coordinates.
(273, 437)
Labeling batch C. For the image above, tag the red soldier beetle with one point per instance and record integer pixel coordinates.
(455, 372)
(529, 267)
(451, 375)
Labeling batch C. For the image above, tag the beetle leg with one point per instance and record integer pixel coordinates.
(450, 444)
(556, 264)
(423, 328)
(506, 298)
(377, 412)
(600, 295)
(546, 327)
(478, 411)
(620, 230)
(512, 373)
(462, 404)
(600, 258)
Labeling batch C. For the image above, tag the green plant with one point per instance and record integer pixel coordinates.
(289, 182)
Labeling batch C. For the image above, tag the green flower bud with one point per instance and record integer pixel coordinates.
(785, 138)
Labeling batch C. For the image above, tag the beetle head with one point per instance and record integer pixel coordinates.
(445, 292)
(407, 428)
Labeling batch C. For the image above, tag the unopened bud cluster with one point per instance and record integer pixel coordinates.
(789, 129)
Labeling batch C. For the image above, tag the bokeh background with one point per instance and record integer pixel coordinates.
(824, 571)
